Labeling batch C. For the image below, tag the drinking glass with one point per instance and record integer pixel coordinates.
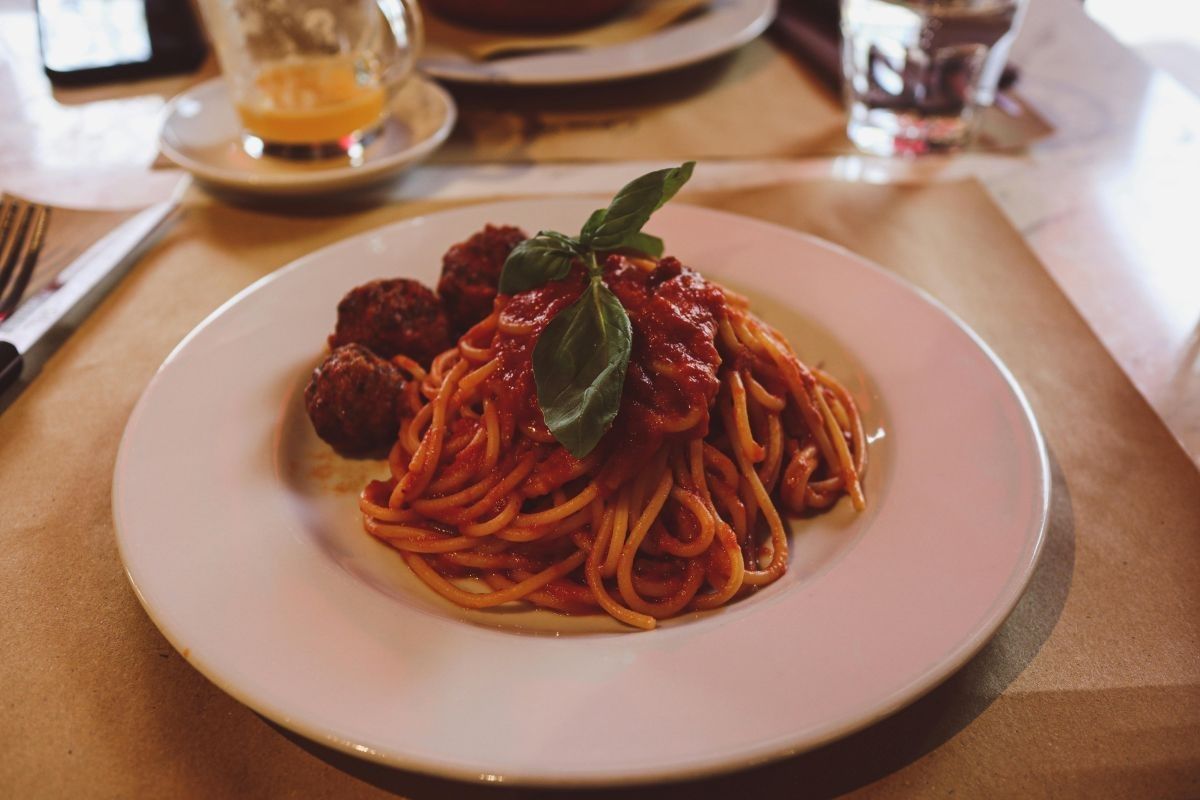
(917, 72)
(313, 78)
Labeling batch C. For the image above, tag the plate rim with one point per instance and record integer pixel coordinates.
(481, 77)
(1000, 609)
(305, 182)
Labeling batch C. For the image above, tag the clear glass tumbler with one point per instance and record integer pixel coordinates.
(918, 71)
(313, 78)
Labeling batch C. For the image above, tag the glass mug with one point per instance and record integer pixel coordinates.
(313, 78)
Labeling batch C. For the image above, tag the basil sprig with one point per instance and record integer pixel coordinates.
(579, 364)
(580, 359)
(544, 258)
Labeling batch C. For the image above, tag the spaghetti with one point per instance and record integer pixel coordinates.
(721, 431)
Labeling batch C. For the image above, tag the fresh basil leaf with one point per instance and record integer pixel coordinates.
(561, 238)
(644, 243)
(673, 182)
(579, 365)
(593, 222)
(544, 258)
(633, 205)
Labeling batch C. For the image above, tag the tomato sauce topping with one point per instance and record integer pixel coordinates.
(672, 378)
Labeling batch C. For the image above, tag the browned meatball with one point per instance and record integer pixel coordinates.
(393, 317)
(352, 400)
(471, 272)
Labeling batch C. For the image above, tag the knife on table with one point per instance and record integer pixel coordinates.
(81, 282)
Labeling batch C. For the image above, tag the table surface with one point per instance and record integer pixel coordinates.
(1105, 202)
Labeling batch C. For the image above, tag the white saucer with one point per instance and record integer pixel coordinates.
(201, 133)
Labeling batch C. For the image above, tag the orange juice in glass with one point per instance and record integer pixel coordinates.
(313, 78)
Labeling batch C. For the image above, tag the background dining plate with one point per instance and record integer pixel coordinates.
(724, 26)
(240, 535)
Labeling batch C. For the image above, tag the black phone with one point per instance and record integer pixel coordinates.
(99, 41)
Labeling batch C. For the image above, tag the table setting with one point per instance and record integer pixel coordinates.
(848, 449)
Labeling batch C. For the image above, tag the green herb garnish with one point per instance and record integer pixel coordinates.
(580, 359)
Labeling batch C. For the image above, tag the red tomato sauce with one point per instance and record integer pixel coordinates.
(672, 378)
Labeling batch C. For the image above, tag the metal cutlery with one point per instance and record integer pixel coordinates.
(23, 326)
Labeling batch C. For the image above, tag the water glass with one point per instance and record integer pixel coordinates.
(917, 72)
(313, 78)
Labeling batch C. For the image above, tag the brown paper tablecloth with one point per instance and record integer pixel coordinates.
(1092, 687)
(758, 102)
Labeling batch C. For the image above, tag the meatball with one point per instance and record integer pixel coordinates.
(353, 401)
(393, 317)
(471, 272)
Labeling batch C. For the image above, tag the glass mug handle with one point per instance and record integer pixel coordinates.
(404, 19)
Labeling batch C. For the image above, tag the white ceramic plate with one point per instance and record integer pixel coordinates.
(201, 133)
(239, 532)
(726, 25)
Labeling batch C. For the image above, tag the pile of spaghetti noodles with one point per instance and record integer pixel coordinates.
(722, 432)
